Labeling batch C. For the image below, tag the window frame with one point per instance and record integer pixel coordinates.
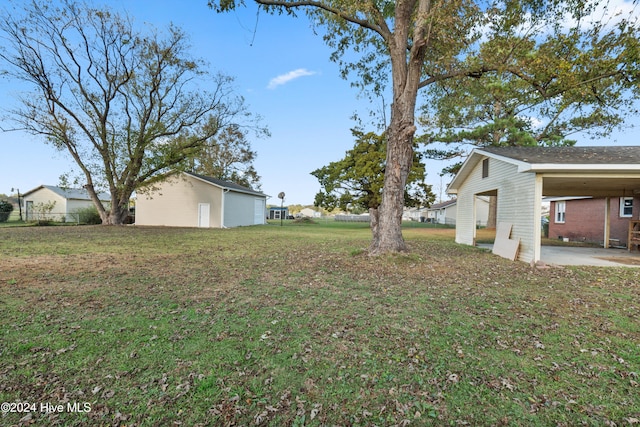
(623, 207)
(485, 168)
(560, 214)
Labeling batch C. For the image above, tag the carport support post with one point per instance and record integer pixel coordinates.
(607, 222)
(537, 217)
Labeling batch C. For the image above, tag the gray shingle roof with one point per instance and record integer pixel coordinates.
(71, 193)
(444, 204)
(570, 155)
(226, 184)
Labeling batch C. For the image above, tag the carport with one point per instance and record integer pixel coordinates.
(520, 176)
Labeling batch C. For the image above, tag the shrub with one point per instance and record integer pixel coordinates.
(5, 210)
(42, 212)
(88, 215)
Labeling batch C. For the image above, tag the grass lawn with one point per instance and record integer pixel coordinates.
(296, 325)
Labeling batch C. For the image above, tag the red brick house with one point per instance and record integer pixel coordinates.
(583, 218)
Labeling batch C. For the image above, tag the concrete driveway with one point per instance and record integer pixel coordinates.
(570, 255)
(566, 255)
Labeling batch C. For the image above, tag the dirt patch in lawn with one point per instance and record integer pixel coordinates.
(35, 278)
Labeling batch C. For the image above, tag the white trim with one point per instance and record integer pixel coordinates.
(622, 206)
(204, 215)
(237, 190)
(557, 212)
(224, 193)
(582, 167)
(607, 222)
(560, 199)
(537, 214)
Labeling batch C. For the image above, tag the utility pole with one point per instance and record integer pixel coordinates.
(19, 202)
(281, 197)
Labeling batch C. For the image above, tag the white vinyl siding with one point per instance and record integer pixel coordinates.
(518, 194)
(259, 215)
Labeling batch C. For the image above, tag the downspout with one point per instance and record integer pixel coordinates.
(224, 191)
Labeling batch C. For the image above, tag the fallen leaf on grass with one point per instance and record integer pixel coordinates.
(317, 407)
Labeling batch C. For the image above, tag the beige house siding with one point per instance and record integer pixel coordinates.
(175, 203)
(516, 203)
(67, 203)
(44, 195)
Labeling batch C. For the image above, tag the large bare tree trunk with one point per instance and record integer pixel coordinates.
(118, 212)
(399, 160)
(406, 73)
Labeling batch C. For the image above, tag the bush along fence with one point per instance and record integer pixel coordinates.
(80, 216)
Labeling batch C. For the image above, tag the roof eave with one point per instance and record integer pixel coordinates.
(568, 167)
(237, 190)
(472, 161)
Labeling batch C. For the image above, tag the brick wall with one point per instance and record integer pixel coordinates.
(584, 220)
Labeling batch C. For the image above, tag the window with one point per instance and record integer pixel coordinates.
(626, 206)
(485, 168)
(560, 209)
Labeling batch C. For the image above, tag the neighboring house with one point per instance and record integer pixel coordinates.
(443, 212)
(67, 203)
(310, 213)
(192, 200)
(446, 212)
(520, 176)
(414, 214)
(583, 218)
(278, 212)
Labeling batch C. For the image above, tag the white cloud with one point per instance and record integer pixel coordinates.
(291, 75)
(610, 13)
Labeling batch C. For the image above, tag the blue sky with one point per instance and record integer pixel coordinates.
(281, 68)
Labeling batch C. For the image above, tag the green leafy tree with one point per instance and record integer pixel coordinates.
(357, 180)
(119, 101)
(573, 85)
(228, 156)
(415, 44)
